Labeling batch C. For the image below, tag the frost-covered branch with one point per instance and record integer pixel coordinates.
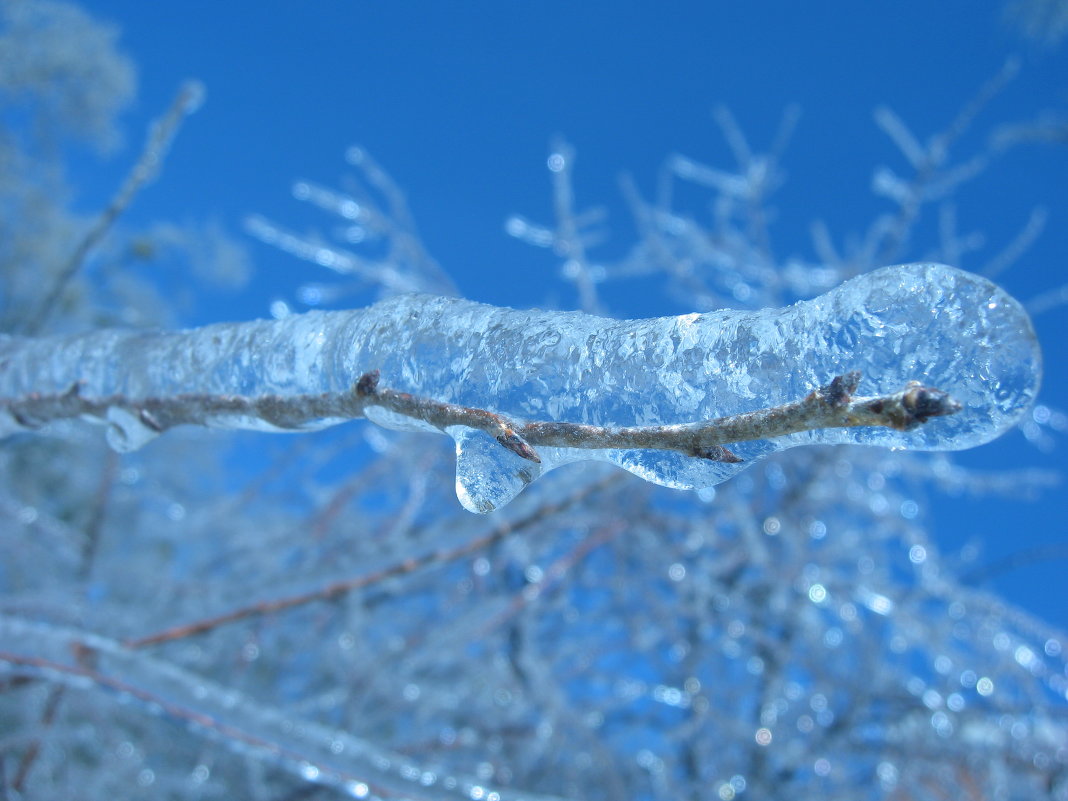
(358, 767)
(647, 395)
(340, 588)
(160, 136)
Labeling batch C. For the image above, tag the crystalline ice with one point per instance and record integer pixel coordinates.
(925, 322)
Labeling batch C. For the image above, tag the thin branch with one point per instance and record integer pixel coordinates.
(1014, 561)
(1019, 245)
(831, 406)
(569, 239)
(93, 526)
(552, 576)
(67, 675)
(928, 161)
(1048, 300)
(160, 136)
(33, 750)
(338, 589)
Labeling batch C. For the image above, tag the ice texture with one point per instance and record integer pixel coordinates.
(326, 756)
(926, 322)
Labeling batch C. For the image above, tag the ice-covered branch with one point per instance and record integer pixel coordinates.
(647, 395)
(160, 135)
(357, 767)
(832, 406)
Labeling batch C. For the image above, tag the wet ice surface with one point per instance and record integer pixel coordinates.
(925, 322)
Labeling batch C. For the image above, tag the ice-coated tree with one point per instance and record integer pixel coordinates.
(223, 614)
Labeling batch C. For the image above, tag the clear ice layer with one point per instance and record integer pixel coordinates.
(925, 322)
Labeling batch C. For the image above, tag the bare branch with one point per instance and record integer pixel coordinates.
(831, 406)
(343, 587)
(160, 136)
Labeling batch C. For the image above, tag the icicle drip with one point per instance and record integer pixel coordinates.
(924, 322)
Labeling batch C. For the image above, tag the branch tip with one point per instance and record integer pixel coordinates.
(923, 403)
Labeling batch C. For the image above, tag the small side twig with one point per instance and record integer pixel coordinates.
(33, 750)
(50, 710)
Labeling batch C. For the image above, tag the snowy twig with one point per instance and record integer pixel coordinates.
(933, 178)
(831, 406)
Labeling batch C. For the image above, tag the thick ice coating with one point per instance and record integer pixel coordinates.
(926, 322)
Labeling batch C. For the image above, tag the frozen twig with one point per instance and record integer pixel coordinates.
(932, 178)
(570, 240)
(160, 136)
(1012, 252)
(346, 762)
(1050, 299)
(375, 217)
(339, 589)
(831, 406)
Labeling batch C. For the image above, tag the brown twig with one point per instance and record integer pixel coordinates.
(61, 672)
(831, 406)
(160, 136)
(33, 750)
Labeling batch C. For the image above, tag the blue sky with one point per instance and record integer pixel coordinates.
(459, 101)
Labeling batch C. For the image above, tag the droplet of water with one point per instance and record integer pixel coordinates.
(488, 475)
